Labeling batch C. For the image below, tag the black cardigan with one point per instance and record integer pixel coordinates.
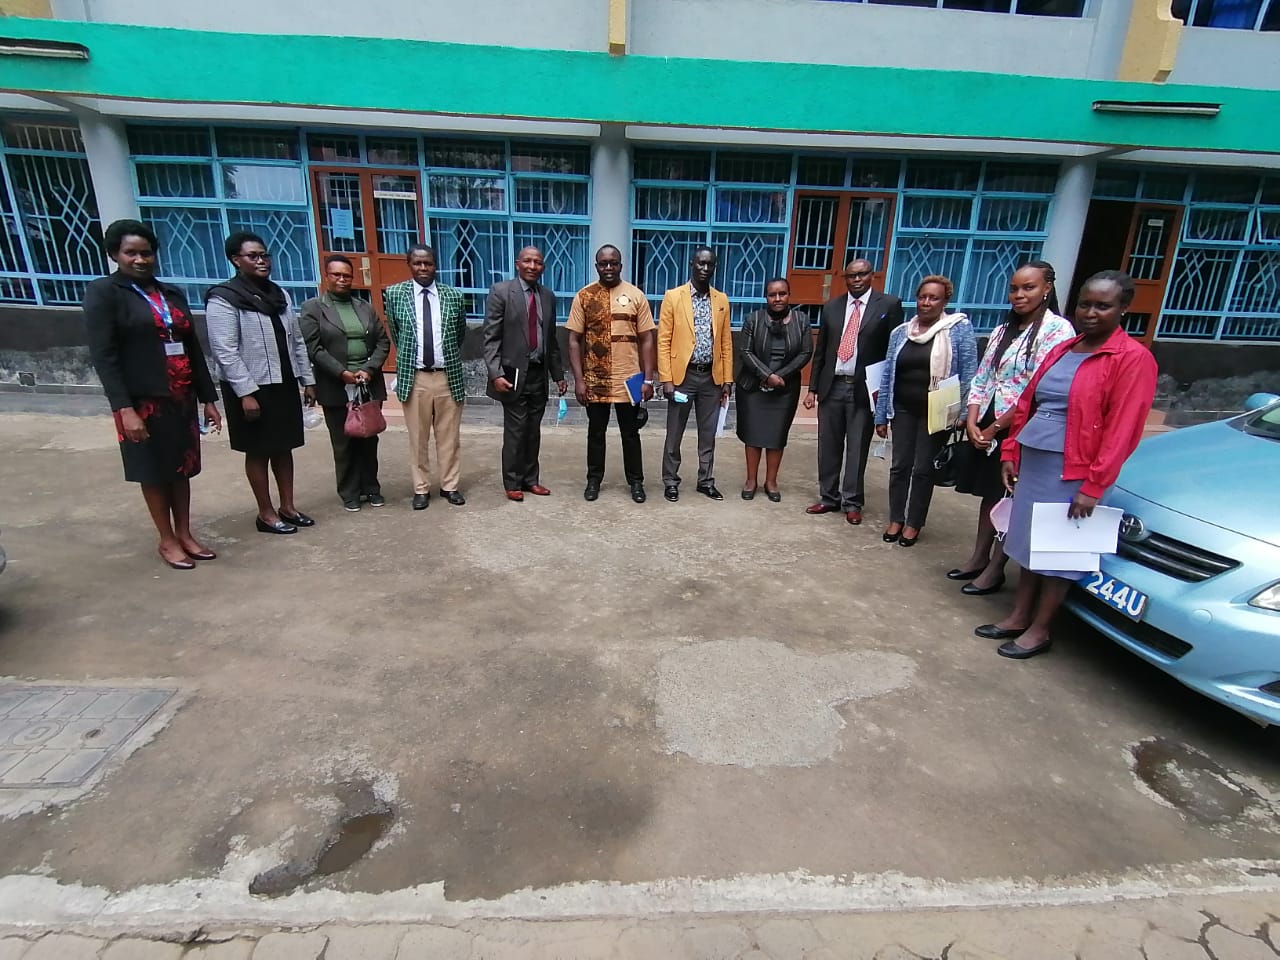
(126, 349)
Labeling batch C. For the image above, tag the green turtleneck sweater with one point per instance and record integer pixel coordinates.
(357, 349)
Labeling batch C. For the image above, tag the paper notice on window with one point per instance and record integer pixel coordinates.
(342, 224)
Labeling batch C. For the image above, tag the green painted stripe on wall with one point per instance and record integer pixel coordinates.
(163, 64)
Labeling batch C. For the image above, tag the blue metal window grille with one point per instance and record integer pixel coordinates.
(1225, 279)
(1038, 8)
(487, 199)
(52, 242)
(197, 185)
(736, 202)
(1229, 14)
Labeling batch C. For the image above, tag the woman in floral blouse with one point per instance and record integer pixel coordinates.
(1031, 329)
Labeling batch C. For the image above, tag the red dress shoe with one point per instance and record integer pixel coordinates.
(515, 495)
(854, 517)
(818, 508)
(538, 490)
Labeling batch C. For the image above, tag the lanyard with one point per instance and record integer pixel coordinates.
(166, 316)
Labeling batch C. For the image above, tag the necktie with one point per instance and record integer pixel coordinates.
(533, 319)
(428, 338)
(849, 341)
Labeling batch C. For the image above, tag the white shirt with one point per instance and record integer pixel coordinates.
(437, 332)
(850, 366)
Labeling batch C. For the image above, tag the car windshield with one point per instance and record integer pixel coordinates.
(1263, 423)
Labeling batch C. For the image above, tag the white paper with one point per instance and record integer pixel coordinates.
(1052, 531)
(724, 415)
(874, 372)
(1066, 562)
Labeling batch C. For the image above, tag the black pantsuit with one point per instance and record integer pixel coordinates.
(355, 459)
(845, 423)
(597, 423)
(522, 430)
(911, 470)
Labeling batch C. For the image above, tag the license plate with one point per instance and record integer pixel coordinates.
(1117, 594)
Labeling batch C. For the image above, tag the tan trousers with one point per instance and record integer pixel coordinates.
(431, 407)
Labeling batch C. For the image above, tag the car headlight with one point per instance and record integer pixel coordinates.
(1268, 599)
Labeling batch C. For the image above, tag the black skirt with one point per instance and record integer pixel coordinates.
(277, 430)
(765, 417)
(977, 472)
(172, 448)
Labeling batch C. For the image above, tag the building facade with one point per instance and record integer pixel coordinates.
(937, 136)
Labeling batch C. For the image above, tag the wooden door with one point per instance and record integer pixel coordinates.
(827, 231)
(1149, 250)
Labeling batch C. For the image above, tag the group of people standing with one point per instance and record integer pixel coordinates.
(1050, 413)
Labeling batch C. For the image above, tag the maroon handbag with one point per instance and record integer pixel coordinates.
(364, 415)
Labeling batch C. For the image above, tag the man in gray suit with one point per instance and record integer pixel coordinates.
(854, 334)
(521, 354)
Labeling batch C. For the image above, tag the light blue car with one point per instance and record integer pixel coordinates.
(1195, 586)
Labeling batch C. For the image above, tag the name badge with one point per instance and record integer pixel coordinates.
(173, 348)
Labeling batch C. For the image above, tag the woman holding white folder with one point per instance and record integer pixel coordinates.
(1078, 421)
(931, 347)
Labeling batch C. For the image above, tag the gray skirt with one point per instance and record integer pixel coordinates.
(1039, 481)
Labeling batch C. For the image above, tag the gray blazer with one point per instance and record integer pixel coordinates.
(506, 333)
(326, 340)
(244, 347)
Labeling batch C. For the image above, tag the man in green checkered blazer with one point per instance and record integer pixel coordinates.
(428, 323)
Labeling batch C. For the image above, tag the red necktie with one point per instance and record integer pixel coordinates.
(849, 341)
(533, 319)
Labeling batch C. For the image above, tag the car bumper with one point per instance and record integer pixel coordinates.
(1204, 634)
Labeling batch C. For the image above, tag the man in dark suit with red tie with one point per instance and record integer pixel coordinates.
(522, 355)
(853, 335)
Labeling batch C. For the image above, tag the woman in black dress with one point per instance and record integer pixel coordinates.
(776, 344)
(153, 372)
(262, 360)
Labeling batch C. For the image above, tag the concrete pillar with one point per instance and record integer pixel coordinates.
(611, 193)
(1070, 209)
(107, 148)
(1110, 29)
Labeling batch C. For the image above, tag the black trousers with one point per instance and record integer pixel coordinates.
(911, 470)
(597, 423)
(522, 430)
(355, 459)
(845, 422)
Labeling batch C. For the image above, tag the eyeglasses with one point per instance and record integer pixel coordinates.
(256, 257)
(859, 273)
(341, 276)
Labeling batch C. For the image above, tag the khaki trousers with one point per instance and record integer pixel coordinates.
(431, 407)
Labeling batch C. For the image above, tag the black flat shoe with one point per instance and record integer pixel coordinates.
(775, 496)
(989, 631)
(969, 590)
(298, 519)
(958, 574)
(178, 564)
(278, 527)
(200, 555)
(709, 490)
(1015, 652)
(671, 492)
(454, 498)
(592, 492)
(637, 492)
(748, 494)
(421, 501)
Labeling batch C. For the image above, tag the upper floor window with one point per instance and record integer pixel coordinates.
(1035, 8)
(1229, 14)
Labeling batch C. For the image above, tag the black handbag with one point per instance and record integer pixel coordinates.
(946, 465)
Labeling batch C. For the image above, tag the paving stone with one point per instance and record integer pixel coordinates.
(362, 943)
(1228, 945)
(1243, 916)
(577, 940)
(11, 948)
(63, 946)
(290, 946)
(708, 941)
(141, 950)
(1160, 946)
(786, 937)
(240, 948)
(438, 943)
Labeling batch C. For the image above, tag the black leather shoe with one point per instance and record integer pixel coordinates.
(592, 492)
(748, 494)
(671, 492)
(989, 631)
(421, 501)
(454, 497)
(888, 537)
(637, 492)
(908, 541)
(969, 590)
(298, 519)
(709, 490)
(958, 574)
(775, 496)
(278, 527)
(1015, 652)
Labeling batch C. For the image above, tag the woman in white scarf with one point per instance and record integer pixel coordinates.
(927, 349)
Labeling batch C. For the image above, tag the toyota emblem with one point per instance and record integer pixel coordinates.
(1132, 529)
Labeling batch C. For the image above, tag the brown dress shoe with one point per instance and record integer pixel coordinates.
(515, 495)
(818, 508)
(538, 490)
(854, 517)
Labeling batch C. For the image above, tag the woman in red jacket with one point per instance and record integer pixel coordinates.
(1075, 425)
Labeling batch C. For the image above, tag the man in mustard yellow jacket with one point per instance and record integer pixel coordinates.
(695, 365)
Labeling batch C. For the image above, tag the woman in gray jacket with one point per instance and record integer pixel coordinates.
(262, 360)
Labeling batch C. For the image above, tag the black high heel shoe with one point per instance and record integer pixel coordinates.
(891, 537)
(958, 574)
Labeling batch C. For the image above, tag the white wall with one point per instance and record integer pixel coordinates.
(1229, 58)
(552, 24)
(815, 31)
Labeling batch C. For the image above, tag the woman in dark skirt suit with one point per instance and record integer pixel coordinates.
(1075, 425)
(776, 344)
(153, 372)
(262, 360)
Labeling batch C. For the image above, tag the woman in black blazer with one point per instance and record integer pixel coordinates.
(347, 345)
(148, 357)
(776, 344)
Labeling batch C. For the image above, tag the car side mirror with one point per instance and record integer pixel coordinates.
(1259, 400)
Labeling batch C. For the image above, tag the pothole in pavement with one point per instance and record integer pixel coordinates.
(1196, 786)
